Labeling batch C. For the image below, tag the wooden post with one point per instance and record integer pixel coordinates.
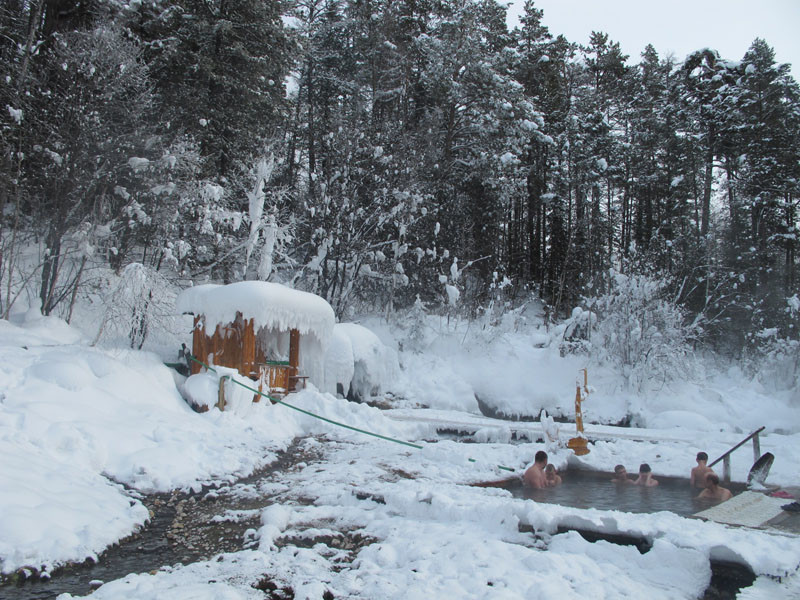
(578, 444)
(294, 359)
(221, 393)
(726, 468)
(198, 344)
(756, 448)
(248, 349)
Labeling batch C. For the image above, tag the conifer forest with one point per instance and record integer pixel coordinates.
(394, 155)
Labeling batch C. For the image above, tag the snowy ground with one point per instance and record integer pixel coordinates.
(79, 425)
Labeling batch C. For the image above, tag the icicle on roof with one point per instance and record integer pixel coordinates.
(270, 305)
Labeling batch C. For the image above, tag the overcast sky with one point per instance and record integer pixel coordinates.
(677, 26)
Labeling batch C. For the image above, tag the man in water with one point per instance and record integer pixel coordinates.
(645, 476)
(699, 473)
(621, 475)
(714, 491)
(551, 476)
(534, 476)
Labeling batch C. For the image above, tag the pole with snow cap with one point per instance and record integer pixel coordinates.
(578, 444)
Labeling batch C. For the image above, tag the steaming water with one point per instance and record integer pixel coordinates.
(585, 489)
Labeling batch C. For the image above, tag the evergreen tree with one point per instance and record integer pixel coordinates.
(767, 103)
(219, 68)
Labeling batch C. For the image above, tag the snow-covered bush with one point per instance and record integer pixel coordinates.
(637, 328)
(142, 300)
(576, 336)
(774, 358)
(777, 363)
(414, 321)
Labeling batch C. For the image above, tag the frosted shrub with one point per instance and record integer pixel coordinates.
(639, 329)
(141, 301)
(776, 361)
(576, 335)
(774, 358)
(415, 323)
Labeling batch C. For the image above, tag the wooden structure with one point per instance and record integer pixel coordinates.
(236, 345)
(259, 329)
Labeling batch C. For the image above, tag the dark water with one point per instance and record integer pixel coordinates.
(182, 530)
(588, 489)
(147, 551)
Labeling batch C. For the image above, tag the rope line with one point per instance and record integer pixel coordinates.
(320, 417)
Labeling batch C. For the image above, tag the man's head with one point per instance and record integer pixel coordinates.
(712, 480)
(541, 457)
(620, 471)
(702, 456)
(644, 468)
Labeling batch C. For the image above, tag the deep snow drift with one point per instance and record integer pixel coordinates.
(78, 423)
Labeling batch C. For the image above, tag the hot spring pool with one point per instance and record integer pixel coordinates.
(591, 489)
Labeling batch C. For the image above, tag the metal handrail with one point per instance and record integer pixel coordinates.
(726, 460)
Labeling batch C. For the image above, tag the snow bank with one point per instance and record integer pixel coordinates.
(455, 542)
(271, 305)
(29, 328)
(71, 415)
(375, 365)
(74, 419)
(516, 368)
(427, 380)
(53, 510)
(765, 552)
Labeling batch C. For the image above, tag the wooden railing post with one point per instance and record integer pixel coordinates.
(756, 448)
(725, 458)
(294, 358)
(221, 393)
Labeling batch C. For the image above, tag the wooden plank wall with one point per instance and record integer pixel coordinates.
(234, 345)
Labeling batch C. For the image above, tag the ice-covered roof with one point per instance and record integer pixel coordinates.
(270, 305)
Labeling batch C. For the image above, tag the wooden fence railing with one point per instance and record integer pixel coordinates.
(726, 458)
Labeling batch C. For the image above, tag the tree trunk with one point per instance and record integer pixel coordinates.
(707, 181)
(50, 270)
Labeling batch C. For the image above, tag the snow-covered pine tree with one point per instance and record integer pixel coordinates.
(219, 68)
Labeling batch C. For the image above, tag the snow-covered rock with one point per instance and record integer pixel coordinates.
(375, 365)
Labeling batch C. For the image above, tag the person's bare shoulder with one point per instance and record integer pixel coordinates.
(533, 477)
